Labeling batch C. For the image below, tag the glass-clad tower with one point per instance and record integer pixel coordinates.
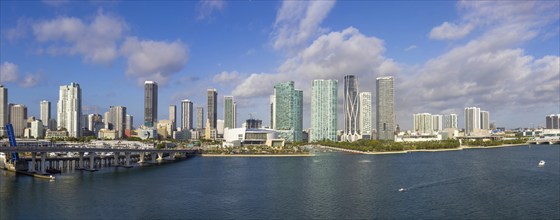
(385, 108)
(351, 109)
(230, 112)
(150, 103)
(324, 99)
(288, 110)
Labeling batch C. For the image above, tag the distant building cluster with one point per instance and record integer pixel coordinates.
(552, 121)
(286, 117)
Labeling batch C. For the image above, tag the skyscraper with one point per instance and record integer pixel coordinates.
(288, 111)
(95, 123)
(173, 117)
(69, 109)
(150, 103)
(423, 123)
(273, 111)
(18, 119)
(129, 124)
(45, 111)
(230, 112)
(199, 117)
(212, 108)
(472, 119)
(107, 121)
(324, 114)
(298, 114)
(552, 121)
(385, 113)
(437, 123)
(118, 119)
(484, 120)
(365, 114)
(450, 121)
(186, 115)
(3, 110)
(351, 109)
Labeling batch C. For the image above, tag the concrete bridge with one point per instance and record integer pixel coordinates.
(545, 140)
(116, 159)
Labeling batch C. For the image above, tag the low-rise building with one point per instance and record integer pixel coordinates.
(56, 134)
(107, 134)
(244, 136)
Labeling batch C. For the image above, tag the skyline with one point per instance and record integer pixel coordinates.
(463, 54)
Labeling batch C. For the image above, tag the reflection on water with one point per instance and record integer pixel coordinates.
(468, 184)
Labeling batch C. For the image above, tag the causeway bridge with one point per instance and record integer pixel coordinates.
(87, 158)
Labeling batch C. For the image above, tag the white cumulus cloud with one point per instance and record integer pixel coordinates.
(9, 72)
(227, 77)
(490, 71)
(206, 8)
(298, 21)
(330, 56)
(154, 60)
(450, 31)
(96, 41)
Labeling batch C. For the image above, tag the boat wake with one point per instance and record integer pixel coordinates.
(439, 183)
(364, 161)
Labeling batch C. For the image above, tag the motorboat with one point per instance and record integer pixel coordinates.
(402, 189)
(541, 163)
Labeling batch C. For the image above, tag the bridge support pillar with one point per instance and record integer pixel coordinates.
(43, 162)
(116, 159)
(153, 157)
(160, 156)
(141, 157)
(33, 161)
(127, 159)
(92, 161)
(81, 161)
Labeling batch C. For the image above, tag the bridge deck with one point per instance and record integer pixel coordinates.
(94, 149)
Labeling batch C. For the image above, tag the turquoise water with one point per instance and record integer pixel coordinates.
(502, 183)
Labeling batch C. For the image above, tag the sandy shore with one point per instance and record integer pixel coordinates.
(257, 155)
(424, 150)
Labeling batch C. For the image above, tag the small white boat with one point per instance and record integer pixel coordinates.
(541, 164)
(402, 189)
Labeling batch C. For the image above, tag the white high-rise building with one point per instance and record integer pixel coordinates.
(3, 110)
(69, 109)
(365, 114)
(45, 111)
(37, 129)
(273, 111)
(423, 123)
(324, 113)
(484, 120)
(118, 120)
(186, 115)
(472, 119)
(437, 123)
(129, 124)
(18, 119)
(450, 121)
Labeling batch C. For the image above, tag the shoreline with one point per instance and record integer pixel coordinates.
(257, 155)
(425, 150)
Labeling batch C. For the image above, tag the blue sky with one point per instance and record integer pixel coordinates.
(500, 56)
